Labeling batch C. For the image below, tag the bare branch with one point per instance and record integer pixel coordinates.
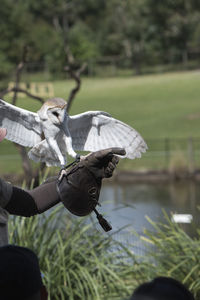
(18, 73)
(82, 69)
(56, 24)
(70, 57)
(22, 150)
(26, 164)
(28, 171)
(76, 76)
(19, 90)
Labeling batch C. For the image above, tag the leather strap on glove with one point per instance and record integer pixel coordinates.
(79, 187)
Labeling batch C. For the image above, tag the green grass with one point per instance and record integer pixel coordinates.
(158, 106)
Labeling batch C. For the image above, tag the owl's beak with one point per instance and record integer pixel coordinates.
(64, 106)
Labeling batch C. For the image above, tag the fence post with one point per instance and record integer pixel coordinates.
(190, 155)
(167, 151)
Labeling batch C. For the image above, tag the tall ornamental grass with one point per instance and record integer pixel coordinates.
(172, 252)
(79, 262)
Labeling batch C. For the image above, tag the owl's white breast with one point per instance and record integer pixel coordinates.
(49, 129)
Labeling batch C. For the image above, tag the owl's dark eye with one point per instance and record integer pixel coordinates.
(55, 113)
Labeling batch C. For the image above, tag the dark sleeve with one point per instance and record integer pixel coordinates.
(45, 196)
(32, 202)
(21, 203)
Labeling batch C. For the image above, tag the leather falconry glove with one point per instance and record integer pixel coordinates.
(79, 186)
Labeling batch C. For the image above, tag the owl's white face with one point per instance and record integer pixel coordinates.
(53, 110)
(56, 114)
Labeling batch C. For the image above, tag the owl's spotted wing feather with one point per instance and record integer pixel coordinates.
(96, 130)
(23, 127)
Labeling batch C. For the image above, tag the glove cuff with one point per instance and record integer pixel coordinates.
(79, 190)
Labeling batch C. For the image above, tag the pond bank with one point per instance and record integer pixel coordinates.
(154, 176)
(122, 176)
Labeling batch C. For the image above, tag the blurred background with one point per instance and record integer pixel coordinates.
(138, 60)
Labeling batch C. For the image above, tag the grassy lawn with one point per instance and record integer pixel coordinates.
(158, 106)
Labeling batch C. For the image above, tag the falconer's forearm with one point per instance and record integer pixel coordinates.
(28, 203)
(45, 196)
(5, 192)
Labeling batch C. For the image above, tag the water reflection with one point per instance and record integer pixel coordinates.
(128, 204)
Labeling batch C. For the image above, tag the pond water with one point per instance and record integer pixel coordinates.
(125, 207)
(128, 204)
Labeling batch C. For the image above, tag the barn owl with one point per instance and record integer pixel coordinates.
(51, 132)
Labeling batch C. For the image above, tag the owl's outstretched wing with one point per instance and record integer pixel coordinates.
(96, 130)
(23, 127)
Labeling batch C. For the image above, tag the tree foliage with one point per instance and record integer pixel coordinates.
(141, 31)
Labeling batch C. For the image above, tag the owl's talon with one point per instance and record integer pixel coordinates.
(78, 157)
(62, 173)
